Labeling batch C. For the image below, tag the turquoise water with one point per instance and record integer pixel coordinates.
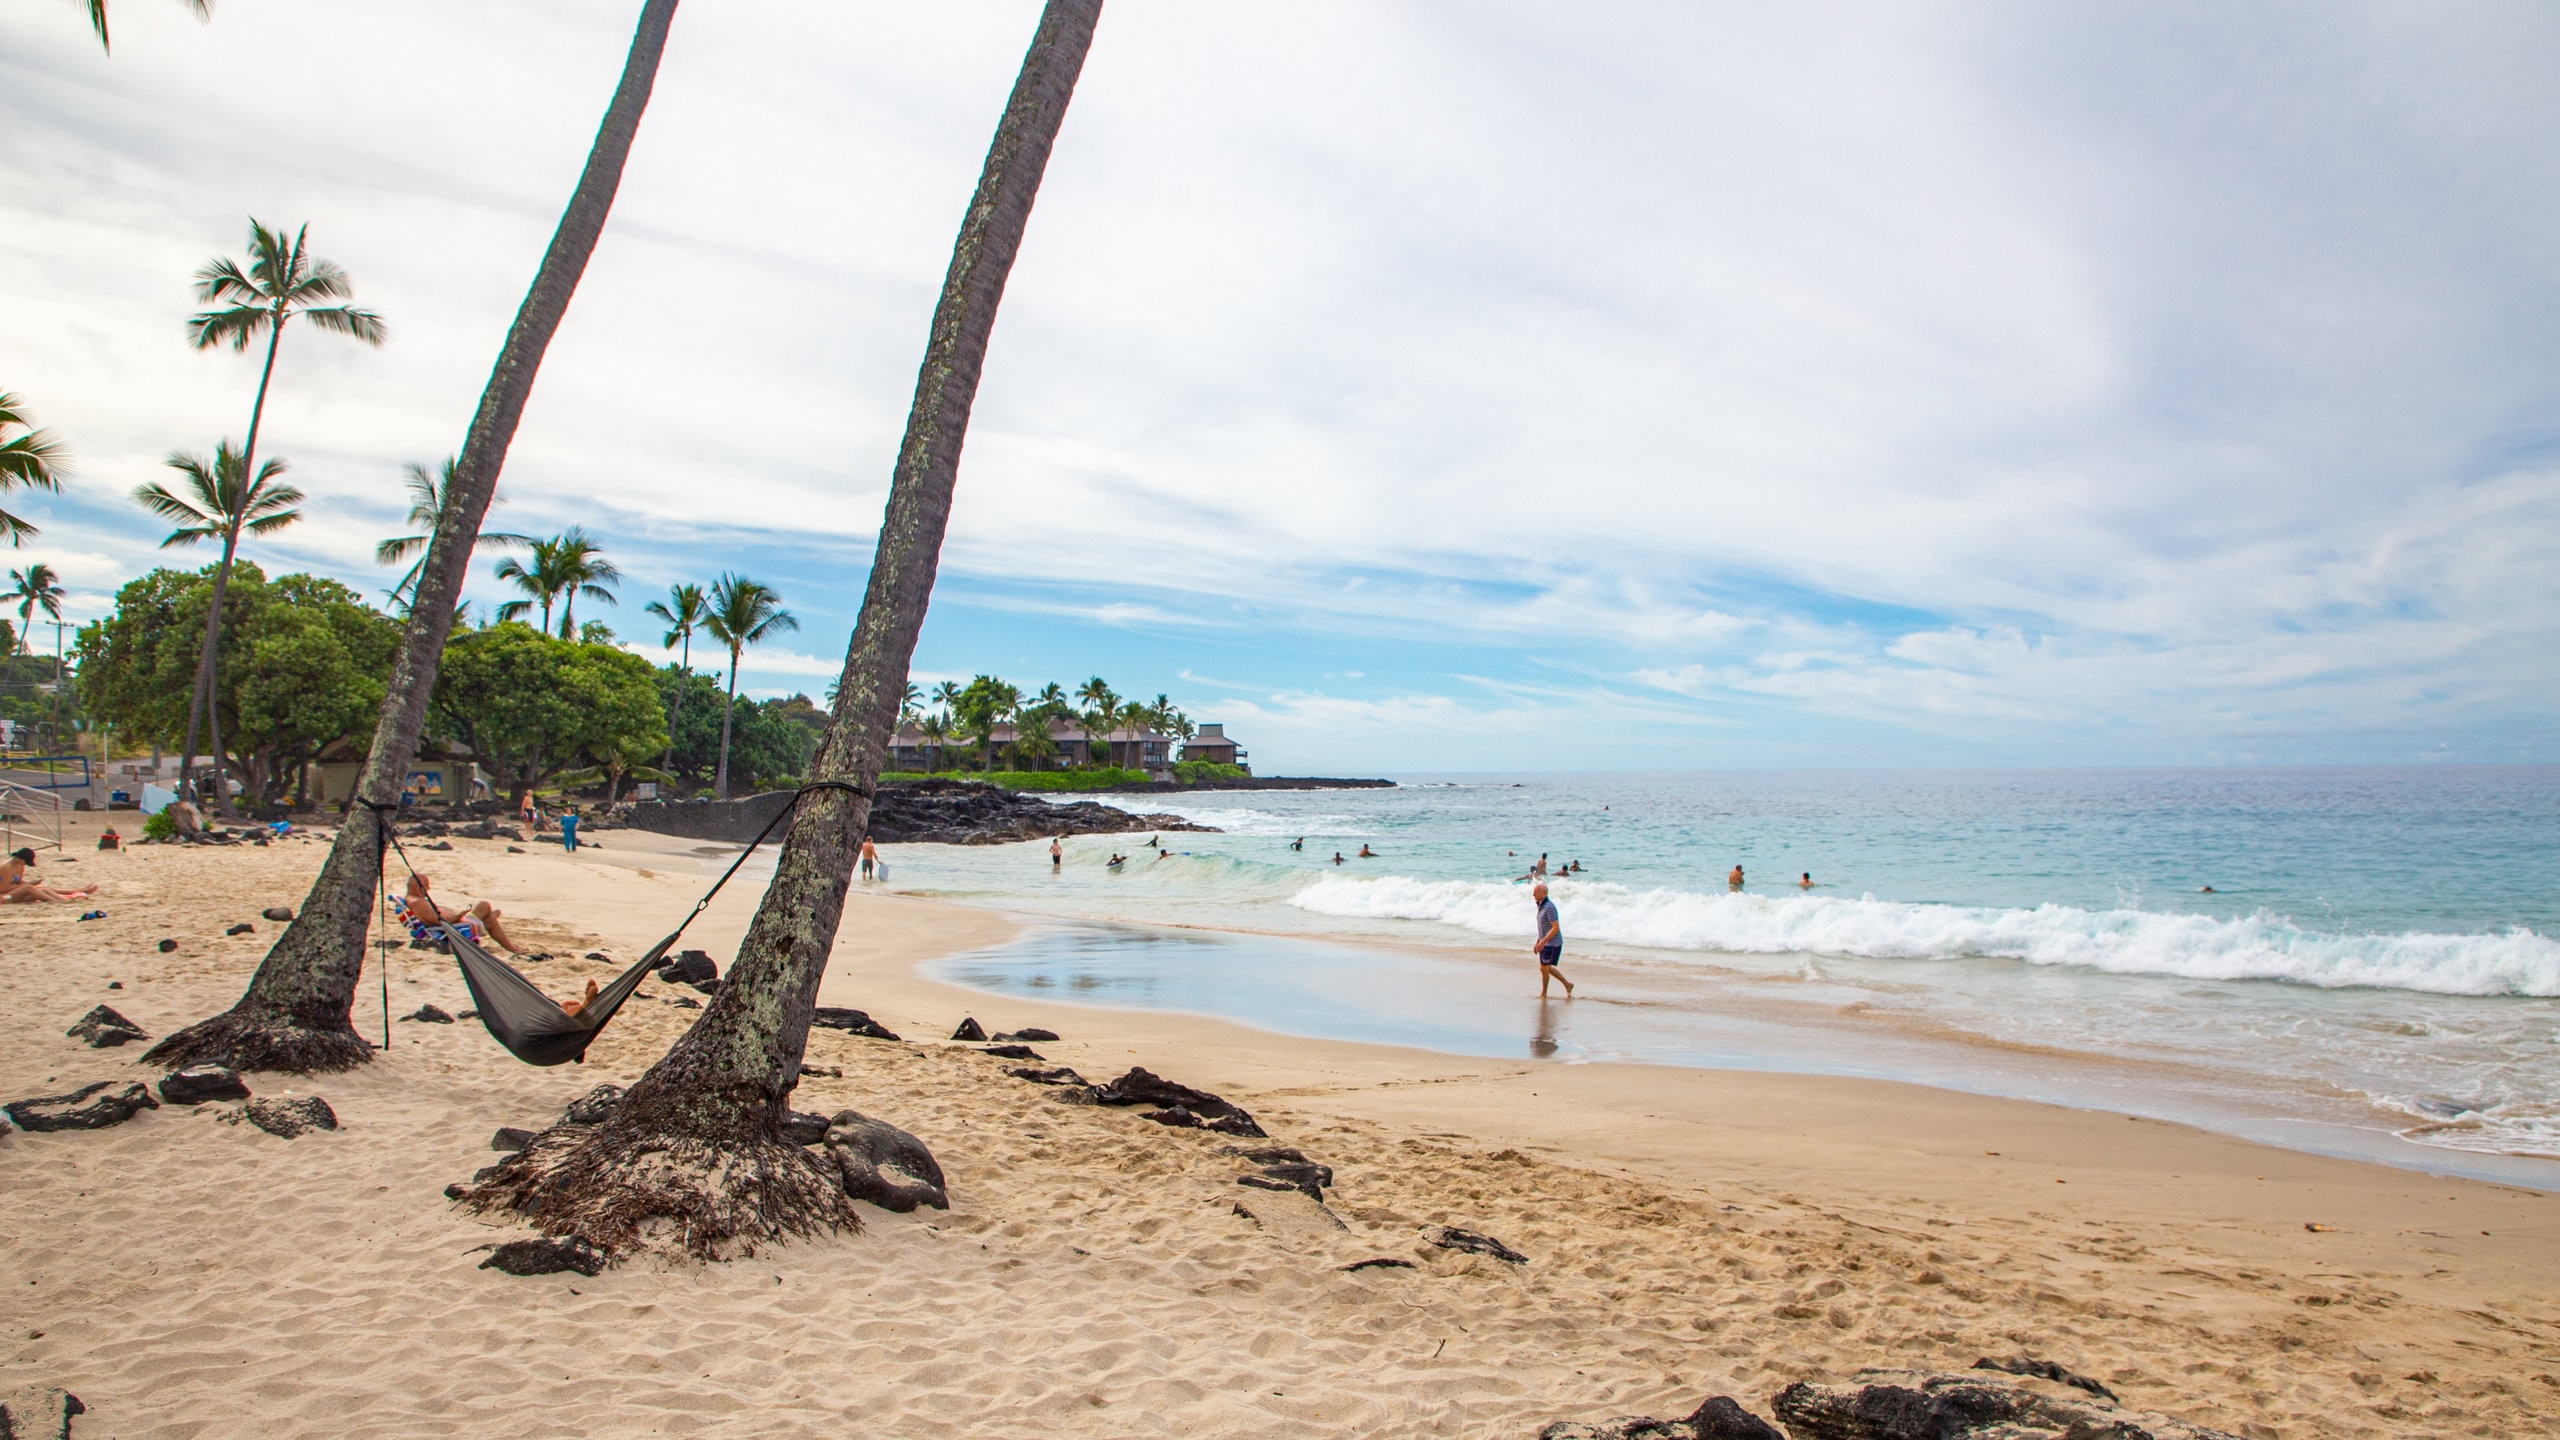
(2374, 967)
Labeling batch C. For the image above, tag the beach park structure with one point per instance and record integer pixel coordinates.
(1149, 750)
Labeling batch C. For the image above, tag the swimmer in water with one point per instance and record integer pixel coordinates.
(1337, 857)
(1368, 854)
(1734, 880)
(1807, 882)
(1057, 855)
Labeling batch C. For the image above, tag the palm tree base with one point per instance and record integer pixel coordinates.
(244, 1040)
(672, 1178)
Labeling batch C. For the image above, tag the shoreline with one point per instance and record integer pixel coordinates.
(1688, 1232)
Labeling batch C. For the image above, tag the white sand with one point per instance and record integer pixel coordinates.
(1688, 1231)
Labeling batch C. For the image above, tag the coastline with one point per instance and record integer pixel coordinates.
(1689, 1232)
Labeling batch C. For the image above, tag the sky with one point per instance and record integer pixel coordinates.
(1418, 387)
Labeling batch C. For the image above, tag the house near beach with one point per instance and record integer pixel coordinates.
(1212, 745)
(1128, 748)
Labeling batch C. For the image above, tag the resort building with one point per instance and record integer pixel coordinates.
(1212, 744)
(1146, 750)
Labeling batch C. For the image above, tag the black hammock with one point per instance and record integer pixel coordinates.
(530, 1024)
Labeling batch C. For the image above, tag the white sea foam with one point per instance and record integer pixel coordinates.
(2201, 947)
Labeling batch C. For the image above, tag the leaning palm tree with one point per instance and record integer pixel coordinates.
(221, 503)
(696, 1146)
(283, 280)
(34, 588)
(684, 610)
(743, 612)
(563, 568)
(427, 492)
(31, 459)
(98, 16)
(294, 1015)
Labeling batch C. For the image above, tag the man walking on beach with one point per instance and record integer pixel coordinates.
(1550, 944)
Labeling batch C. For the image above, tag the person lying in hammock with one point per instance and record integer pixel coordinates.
(422, 907)
(572, 1007)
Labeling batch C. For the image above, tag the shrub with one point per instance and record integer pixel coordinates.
(158, 826)
(1192, 772)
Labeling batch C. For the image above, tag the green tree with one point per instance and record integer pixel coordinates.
(936, 728)
(34, 588)
(684, 610)
(1101, 708)
(427, 498)
(744, 612)
(531, 706)
(294, 1015)
(768, 741)
(302, 668)
(32, 459)
(221, 504)
(98, 16)
(985, 703)
(562, 568)
(696, 1146)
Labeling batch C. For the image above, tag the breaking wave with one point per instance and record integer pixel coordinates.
(2140, 942)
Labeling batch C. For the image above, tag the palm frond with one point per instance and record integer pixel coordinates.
(323, 281)
(158, 499)
(18, 531)
(504, 540)
(237, 326)
(349, 321)
(392, 552)
(514, 610)
(426, 491)
(221, 282)
(268, 524)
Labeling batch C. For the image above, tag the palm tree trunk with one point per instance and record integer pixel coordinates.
(708, 1116)
(207, 662)
(720, 786)
(294, 1015)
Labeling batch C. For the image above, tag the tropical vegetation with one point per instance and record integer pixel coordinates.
(429, 493)
(742, 613)
(31, 459)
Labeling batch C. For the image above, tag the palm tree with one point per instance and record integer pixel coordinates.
(221, 503)
(743, 612)
(38, 588)
(32, 459)
(427, 492)
(707, 1117)
(295, 1013)
(98, 16)
(936, 728)
(684, 610)
(283, 280)
(564, 567)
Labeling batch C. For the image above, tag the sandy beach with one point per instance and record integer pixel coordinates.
(1687, 1232)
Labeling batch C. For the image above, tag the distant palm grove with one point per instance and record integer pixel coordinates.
(990, 724)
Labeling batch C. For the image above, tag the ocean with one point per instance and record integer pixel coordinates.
(2352, 961)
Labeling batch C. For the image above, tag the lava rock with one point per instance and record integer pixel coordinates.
(39, 1412)
(1450, 1238)
(1382, 1262)
(1058, 1076)
(1264, 1180)
(1924, 1405)
(969, 1029)
(546, 1256)
(801, 1128)
(196, 1084)
(515, 849)
(684, 1002)
(102, 1027)
(971, 812)
(457, 1191)
(1306, 1175)
(1721, 1418)
(1032, 1033)
(439, 845)
(429, 1014)
(510, 1137)
(884, 1164)
(593, 1107)
(1013, 1052)
(288, 1116)
(2046, 1370)
(278, 913)
(852, 1022)
(1142, 1087)
(690, 967)
(91, 1107)
(243, 928)
(168, 945)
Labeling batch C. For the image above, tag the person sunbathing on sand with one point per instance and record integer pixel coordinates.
(424, 909)
(16, 889)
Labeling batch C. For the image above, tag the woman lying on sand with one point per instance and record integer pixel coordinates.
(423, 908)
(16, 889)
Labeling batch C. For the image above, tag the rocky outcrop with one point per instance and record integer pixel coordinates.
(1924, 1405)
(883, 1164)
(1451, 1238)
(851, 1021)
(197, 1084)
(689, 967)
(970, 812)
(103, 1027)
(1179, 1105)
(510, 1138)
(593, 1107)
(286, 1117)
(802, 1128)
(91, 1107)
(1721, 1418)
(1028, 1034)
(969, 1030)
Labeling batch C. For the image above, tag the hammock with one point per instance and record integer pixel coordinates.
(530, 1024)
